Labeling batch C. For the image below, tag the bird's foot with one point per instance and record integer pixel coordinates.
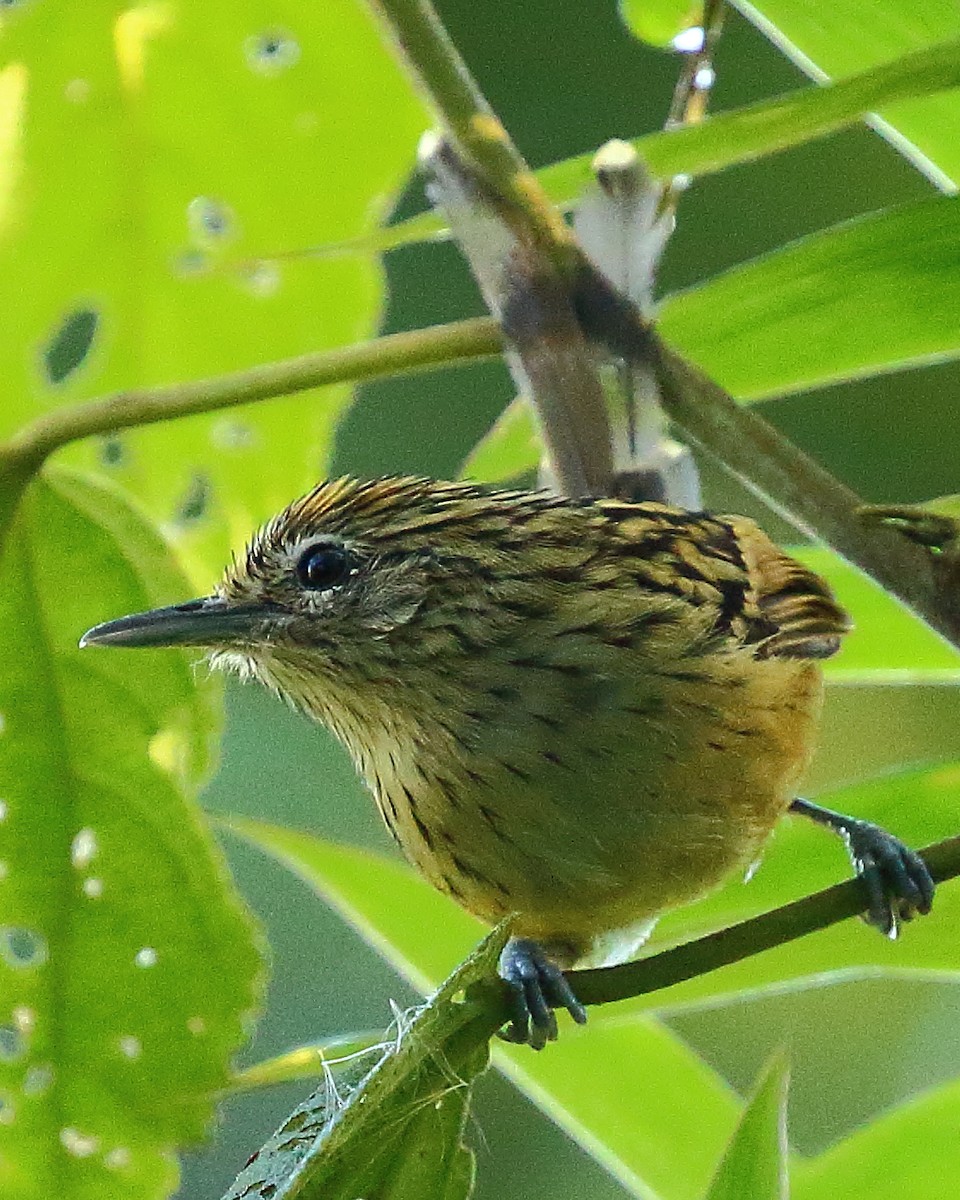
(898, 885)
(537, 986)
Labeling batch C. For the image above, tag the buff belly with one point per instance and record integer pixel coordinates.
(588, 829)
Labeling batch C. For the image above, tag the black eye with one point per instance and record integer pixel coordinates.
(322, 567)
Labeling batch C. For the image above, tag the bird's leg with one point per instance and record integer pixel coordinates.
(537, 986)
(896, 878)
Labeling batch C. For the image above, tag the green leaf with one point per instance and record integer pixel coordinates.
(878, 293)
(817, 38)
(421, 932)
(417, 930)
(911, 1151)
(862, 1040)
(199, 137)
(755, 1163)
(635, 1097)
(659, 21)
(391, 1131)
(740, 135)
(511, 448)
(128, 966)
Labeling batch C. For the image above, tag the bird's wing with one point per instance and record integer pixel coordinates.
(761, 596)
(808, 622)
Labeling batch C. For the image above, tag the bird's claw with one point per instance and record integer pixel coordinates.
(537, 986)
(898, 885)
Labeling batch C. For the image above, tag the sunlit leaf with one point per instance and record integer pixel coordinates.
(817, 38)
(198, 137)
(128, 967)
(511, 448)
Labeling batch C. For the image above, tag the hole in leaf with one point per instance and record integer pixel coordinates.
(77, 1144)
(196, 503)
(227, 434)
(130, 1046)
(7, 1111)
(12, 1043)
(209, 220)
(190, 263)
(261, 279)
(272, 52)
(70, 344)
(25, 1018)
(83, 848)
(112, 450)
(37, 1079)
(77, 91)
(21, 947)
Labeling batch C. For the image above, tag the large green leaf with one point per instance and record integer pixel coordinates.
(149, 152)
(912, 1151)
(879, 293)
(128, 967)
(755, 1163)
(818, 38)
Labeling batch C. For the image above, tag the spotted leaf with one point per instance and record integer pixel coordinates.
(128, 969)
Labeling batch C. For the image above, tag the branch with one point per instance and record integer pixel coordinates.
(522, 253)
(690, 960)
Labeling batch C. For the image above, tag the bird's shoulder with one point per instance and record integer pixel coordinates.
(759, 595)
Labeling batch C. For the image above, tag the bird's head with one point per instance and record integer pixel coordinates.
(355, 584)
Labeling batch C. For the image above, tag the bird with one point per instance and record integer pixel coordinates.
(579, 714)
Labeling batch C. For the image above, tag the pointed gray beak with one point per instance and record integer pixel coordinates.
(207, 622)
